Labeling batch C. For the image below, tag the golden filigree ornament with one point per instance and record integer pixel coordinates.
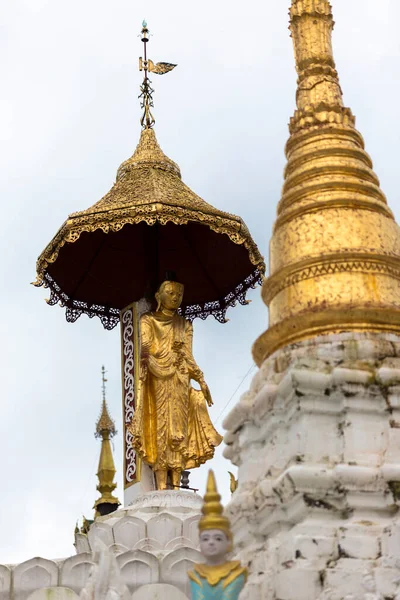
(335, 249)
(118, 250)
(146, 91)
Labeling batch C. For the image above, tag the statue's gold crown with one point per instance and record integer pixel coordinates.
(212, 509)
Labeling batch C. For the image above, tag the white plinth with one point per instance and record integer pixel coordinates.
(317, 442)
(155, 542)
(155, 539)
(54, 593)
(158, 592)
(144, 486)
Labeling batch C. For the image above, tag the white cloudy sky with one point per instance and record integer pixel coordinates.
(69, 116)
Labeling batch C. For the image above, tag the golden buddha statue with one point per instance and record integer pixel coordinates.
(217, 578)
(171, 429)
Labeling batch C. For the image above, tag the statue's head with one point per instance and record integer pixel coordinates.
(215, 544)
(169, 295)
(214, 527)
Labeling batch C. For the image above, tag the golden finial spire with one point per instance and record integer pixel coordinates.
(335, 249)
(105, 429)
(233, 482)
(104, 422)
(146, 91)
(212, 509)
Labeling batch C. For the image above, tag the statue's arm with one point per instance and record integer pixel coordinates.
(146, 336)
(146, 340)
(194, 370)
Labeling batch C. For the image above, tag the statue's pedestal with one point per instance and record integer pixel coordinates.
(317, 442)
(144, 486)
(155, 540)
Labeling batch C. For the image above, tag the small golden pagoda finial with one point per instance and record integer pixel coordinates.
(105, 429)
(233, 482)
(335, 249)
(146, 91)
(104, 423)
(212, 509)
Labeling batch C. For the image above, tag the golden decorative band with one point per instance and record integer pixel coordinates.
(313, 8)
(317, 267)
(370, 192)
(311, 324)
(317, 207)
(335, 132)
(331, 151)
(315, 116)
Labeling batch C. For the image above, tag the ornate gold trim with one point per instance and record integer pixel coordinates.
(323, 114)
(214, 573)
(136, 374)
(328, 152)
(333, 130)
(297, 194)
(320, 266)
(307, 325)
(292, 213)
(71, 231)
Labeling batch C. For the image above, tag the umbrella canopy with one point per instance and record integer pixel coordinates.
(119, 250)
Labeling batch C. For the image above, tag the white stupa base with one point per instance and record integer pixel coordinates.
(317, 442)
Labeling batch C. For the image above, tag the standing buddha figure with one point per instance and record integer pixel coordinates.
(171, 429)
(217, 578)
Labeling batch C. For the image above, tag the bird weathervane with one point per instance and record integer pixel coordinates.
(147, 121)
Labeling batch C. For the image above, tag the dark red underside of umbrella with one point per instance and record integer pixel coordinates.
(105, 272)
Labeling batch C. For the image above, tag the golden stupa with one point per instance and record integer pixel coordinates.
(335, 249)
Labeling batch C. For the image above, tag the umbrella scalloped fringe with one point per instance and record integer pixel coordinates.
(109, 317)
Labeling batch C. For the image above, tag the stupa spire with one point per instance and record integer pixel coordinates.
(311, 25)
(105, 429)
(335, 250)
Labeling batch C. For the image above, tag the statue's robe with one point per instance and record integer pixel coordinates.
(222, 582)
(171, 428)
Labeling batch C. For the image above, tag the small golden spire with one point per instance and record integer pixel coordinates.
(105, 422)
(212, 509)
(233, 483)
(335, 249)
(86, 523)
(105, 429)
